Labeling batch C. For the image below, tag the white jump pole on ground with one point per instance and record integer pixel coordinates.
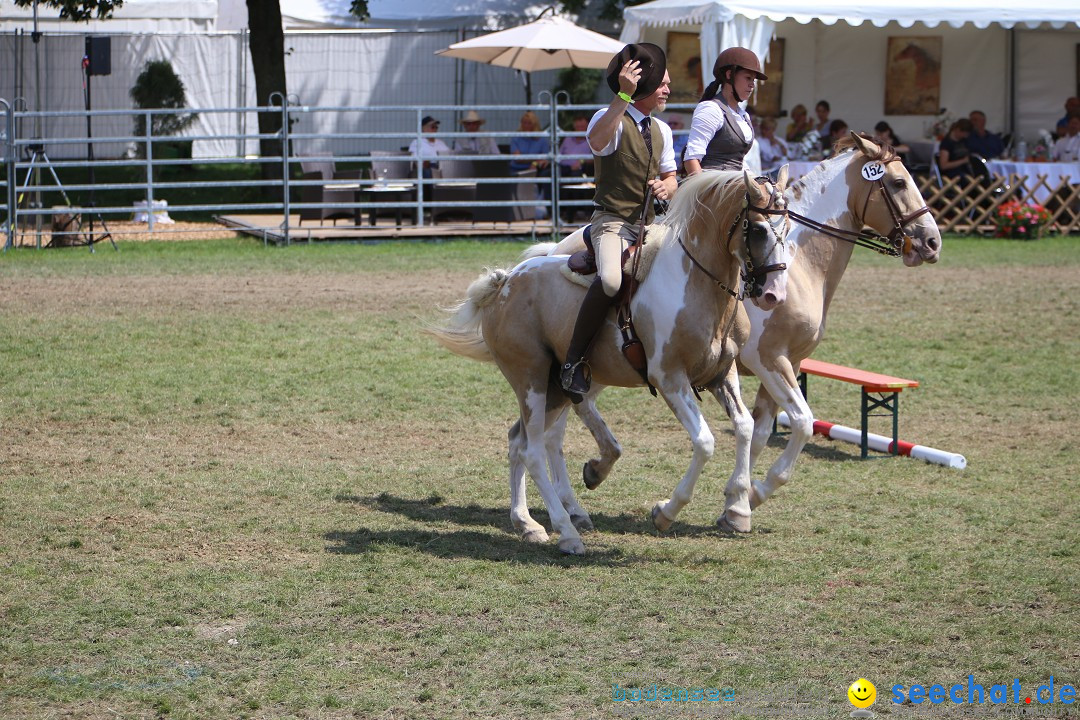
(880, 443)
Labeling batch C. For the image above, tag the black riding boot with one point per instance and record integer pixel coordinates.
(574, 375)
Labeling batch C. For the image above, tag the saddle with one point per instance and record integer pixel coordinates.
(583, 262)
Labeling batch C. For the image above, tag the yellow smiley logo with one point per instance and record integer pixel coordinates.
(862, 693)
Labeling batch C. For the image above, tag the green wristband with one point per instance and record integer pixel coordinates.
(624, 96)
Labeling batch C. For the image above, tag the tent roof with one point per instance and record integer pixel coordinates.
(203, 15)
(130, 10)
(855, 12)
(411, 14)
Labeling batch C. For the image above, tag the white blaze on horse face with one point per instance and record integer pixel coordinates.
(774, 289)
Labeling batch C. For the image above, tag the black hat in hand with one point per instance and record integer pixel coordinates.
(653, 66)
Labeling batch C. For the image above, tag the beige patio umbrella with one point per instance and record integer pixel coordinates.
(546, 43)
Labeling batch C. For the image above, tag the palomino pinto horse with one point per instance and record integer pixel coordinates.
(838, 195)
(684, 312)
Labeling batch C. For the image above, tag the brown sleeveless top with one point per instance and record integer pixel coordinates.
(728, 147)
(621, 177)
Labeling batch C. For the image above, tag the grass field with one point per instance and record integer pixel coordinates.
(238, 482)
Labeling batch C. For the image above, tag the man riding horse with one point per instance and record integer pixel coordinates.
(630, 149)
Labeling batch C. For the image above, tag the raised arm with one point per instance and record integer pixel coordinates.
(603, 131)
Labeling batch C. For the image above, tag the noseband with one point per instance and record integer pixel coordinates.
(893, 244)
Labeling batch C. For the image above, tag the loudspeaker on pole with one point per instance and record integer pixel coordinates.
(99, 55)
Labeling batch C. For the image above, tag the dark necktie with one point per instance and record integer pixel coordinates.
(646, 133)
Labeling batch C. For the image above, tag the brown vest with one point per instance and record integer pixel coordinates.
(621, 177)
(728, 147)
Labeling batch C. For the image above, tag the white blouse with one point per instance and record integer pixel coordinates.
(708, 119)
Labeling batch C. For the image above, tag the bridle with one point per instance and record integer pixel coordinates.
(893, 244)
(752, 277)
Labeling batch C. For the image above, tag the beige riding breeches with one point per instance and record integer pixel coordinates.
(610, 236)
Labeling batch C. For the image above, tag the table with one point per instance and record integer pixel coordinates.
(387, 193)
(1031, 172)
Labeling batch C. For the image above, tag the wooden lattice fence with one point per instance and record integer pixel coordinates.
(969, 205)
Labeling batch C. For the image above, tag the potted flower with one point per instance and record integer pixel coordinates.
(1021, 221)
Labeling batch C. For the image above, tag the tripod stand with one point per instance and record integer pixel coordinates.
(38, 157)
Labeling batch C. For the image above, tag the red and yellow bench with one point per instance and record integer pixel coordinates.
(879, 392)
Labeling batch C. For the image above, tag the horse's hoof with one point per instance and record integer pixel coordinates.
(535, 535)
(661, 521)
(572, 546)
(733, 523)
(583, 523)
(589, 475)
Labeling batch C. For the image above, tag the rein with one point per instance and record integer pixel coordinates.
(892, 244)
(738, 295)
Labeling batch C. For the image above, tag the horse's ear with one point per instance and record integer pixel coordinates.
(782, 177)
(756, 193)
(867, 147)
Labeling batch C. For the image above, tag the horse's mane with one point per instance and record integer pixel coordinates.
(688, 202)
(886, 153)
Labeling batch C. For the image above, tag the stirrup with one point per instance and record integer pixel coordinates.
(568, 373)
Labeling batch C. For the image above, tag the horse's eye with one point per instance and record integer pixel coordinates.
(899, 183)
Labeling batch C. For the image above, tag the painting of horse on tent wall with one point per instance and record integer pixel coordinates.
(913, 76)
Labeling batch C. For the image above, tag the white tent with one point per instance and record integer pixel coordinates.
(410, 14)
(134, 16)
(332, 60)
(1015, 61)
(200, 16)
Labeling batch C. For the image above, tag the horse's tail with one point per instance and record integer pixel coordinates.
(461, 333)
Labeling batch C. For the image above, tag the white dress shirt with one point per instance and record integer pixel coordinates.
(1066, 149)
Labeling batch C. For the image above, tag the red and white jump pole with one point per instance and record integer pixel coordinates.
(880, 443)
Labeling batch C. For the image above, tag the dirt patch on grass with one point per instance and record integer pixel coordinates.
(127, 231)
(275, 292)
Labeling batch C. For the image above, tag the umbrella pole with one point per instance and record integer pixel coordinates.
(526, 80)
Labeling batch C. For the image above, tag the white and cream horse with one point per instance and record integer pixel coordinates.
(844, 195)
(684, 312)
(840, 195)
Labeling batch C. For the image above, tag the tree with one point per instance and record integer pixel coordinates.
(267, 42)
(77, 10)
(158, 86)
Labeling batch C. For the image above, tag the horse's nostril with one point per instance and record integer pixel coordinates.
(770, 298)
(933, 244)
